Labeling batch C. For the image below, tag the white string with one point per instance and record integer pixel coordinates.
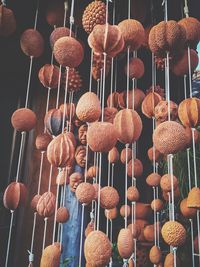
(129, 9)
(111, 82)
(127, 80)
(154, 216)
(91, 63)
(55, 214)
(172, 182)
(192, 242)
(22, 143)
(33, 232)
(98, 207)
(9, 238)
(29, 81)
(158, 231)
(189, 71)
(71, 17)
(59, 84)
(50, 177)
(194, 157)
(116, 68)
(65, 98)
(44, 233)
(126, 185)
(198, 230)
(81, 237)
(103, 89)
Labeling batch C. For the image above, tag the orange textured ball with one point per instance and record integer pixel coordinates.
(49, 76)
(58, 33)
(62, 215)
(109, 197)
(149, 103)
(23, 119)
(137, 169)
(85, 193)
(125, 243)
(192, 28)
(46, 204)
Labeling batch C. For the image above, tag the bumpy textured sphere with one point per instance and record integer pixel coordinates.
(169, 137)
(49, 76)
(32, 43)
(102, 136)
(68, 52)
(138, 168)
(129, 126)
(112, 100)
(46, 204)
(136, 68)
(98, 65)
(136, 94)
(132, 32)
(193, 200)
(85, 193)
(192, 28)
(53, 121)
(23, 119)
(187, 212)
(173, 233)
(109, 197)
(155, 255)
(74, 80)
(88, 108)
(153, 179)
(165, 182)
(133, 193)
(125, 243)
(161, 111)
(42, 141)
(97, 249)
(51, 256)
(169, 260)
(149, 103)
(95, 13)
(7, 21)
(58, 33)
(62, 215)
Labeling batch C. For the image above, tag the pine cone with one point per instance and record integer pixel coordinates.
(74, 80)
(95, 13)
(98, 64)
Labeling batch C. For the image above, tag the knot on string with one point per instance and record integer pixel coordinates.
(71, 19)
(30, 257)
(92, 215)
(125, 262)
(174, 249)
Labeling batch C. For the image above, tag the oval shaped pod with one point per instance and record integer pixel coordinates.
(125, 243)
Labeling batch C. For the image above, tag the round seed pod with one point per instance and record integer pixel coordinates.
(85, 193)
(173, 233)
(161, 111)
(123, 211)
(133, 193)
(55, 13)
(7, 21)
(63, 177)
(68, 52)
(123, 155)
(193, 200)
(153, 179)
(155, 255)
(149, 233)
(46, 205)
(138, 98)
(94, 14)
(181, 66)
(49, 76)
(143, 211)
(58, 33)
(34, 202)
(149, 103)
(75, 179)
(69, 109)
(51, 256)
(88, 108)
(158, 156)
(74, 80)
(106, 39)
(135, 230)
(192, 28)
(61, 150)
(169, 261)
(187, 212)
(62, 215)
(169, 137)
(92, 172)
(129, 126)
(138, 168)
(157, 205)
(42, 141)
(23, 119)
(98, 65)
(32, 43)
(136, 68)
(109, 114)
(141, 224)
(113, 155)
(53, 121)
(14, 195)
(111, 214)
(133, 33)
(125, 243)
(188, 132)
(109, 197)
(165, 182)
(189, 112)
(112, 100)
(89, 228)
(102, 136)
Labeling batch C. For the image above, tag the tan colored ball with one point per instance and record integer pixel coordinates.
(42, 141)
(125, 211)
(23, 119)
(109, 197)
(51, 256)
(112, 100)
(92, 172)
(97, 188)
(135, 98)
(133, 194)
(169, 261)
(123, 155)
(165, 182)
(149, 233)
(75, 81)
(62, 215)
(46, 205)
(141, 223)
(173, 233)
(143, 211)
(155, 255)
(113, 155)
(187, 212)
(136, 68)
(137, 168)
(153, 179)
(157, 205)
(189, 134)
(7, 21)
(193, 200)
(85, 193)
(49, 76)
(111, 214)
(125, 243)
(98, 66)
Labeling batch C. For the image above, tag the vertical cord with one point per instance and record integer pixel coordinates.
(192, 242)
(127, 80)
(126, 178)
(111, 82)
(44, 233)
(9, 237)
(190, 71)
(154, 216)
(91, 63)
(65, 98)
(98, 208)
(59, 84)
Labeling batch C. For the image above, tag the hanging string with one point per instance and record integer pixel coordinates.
(98, 206)
(91, 63)
(192, 242)
(9, 237)
(127, 80)
(111, 82)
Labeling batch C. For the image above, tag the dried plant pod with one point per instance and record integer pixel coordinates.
(192, 28)
(69, 109)
(51, 256)
(157, 205)
(193, 199)
(133, 33)
(14, 195)
(189, 112)
(63, 177)
(98, 65)
(75, 179)
(141, 224)
(106, 39)
(155, 255)
(62, 215)
(113, 155)
(97, 249)
(109, 114)
(55, 13)
(169, 261)
(109, 197)
(32, 43)
(129, 126)
(157, 155)
(149, 233)
(149, 103)
(46, 205)
(133, 194)
(49, 76)
(123, 211)
(58, 33)
(94, 14)
(23, 119)
(188, 132)
(187, 212)
(53, 121)
(136, 68)
(111, 214)
(125, 243)
(112, 100)
(173, 233)
(92, 172)
(169, 137)
(88, 108)
(165, 182)
(102, 136)
(75, 81)
(42, 141)
(7, 21)
(138, 168)
(68, 52)
(34, 202)
(85, 193)
(161, 111)
(61, 150)
(97, 188)
(153, 179)
(135, 230)
(136, 94)
(143, 211)
(123, 155)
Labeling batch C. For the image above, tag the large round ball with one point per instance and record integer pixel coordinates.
(68, 52)
(88, 108)
(23, 119)
(165, 182)
(109, 197)
(136, 170)
(58, 33)
(97, 249)
(62, 215)
(136, 68)
(49, 76)
(129, 126)
(169, 137)
(51, 256)
(192, 28)
(42, 141)
(32, 43)
(109, 114)
(125, 243)
(85, 193)
(187, 212)
(7, 21)
(46, 204)
(173, 233)
(102, 136)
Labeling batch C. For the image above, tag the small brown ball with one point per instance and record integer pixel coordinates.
(136, 68)
(42, 141)
(34, 202)
(125, 211)
(149, 103)
(109, 197)
(137, 169)
(32, 43)
(149, 233)
(75, 81)
(49, 76)
(112, 100)
(23, 119)
(58, 33)
(193, 200)
(98, 66)
(92, 172)
(133, 193)
(143, 211)
(188, 132)
(165, 182)
(173, 233)
(135, 98)
(46, 205)
(53, 121)
(187, 212)
(153, 179)
(69, 109)
(85, 193)
(125, 243)
(157, 205)
(113, 155)
(135, 230)
(62, 215)
(68, 52)
(97, 188)
(123, 155)
(89, 228)
(158, 156)
(169, 261)
(155, 255)
(111, 214)
(161, 111)
(7, 21)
